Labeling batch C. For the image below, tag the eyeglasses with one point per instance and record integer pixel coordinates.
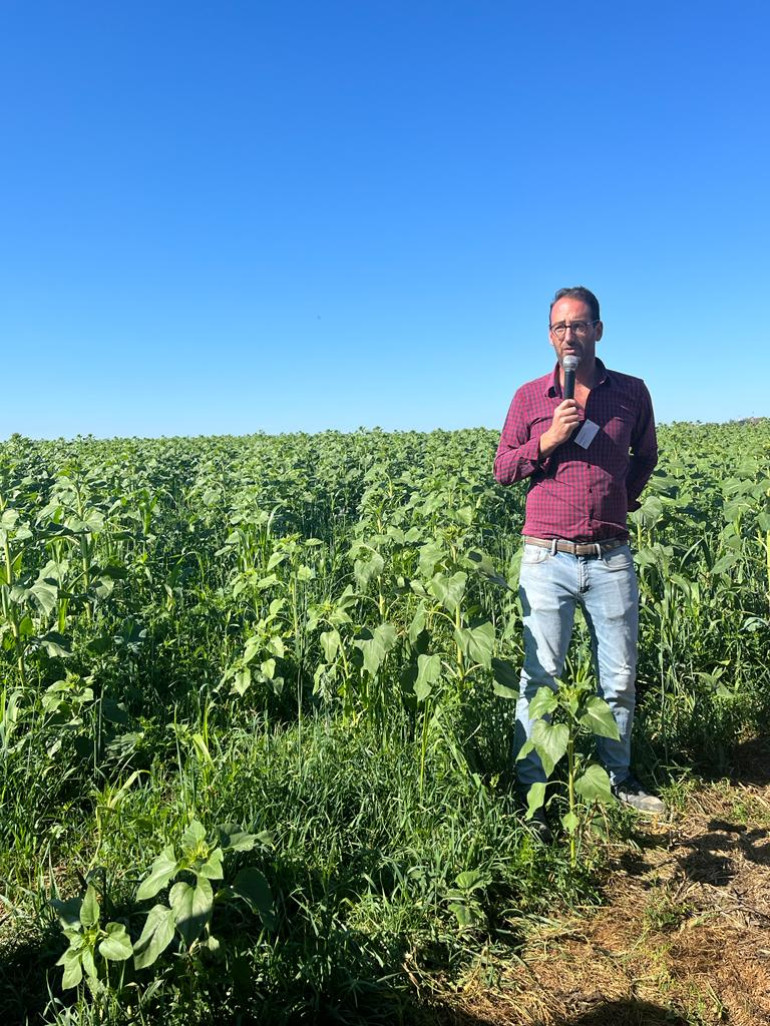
(581, 328)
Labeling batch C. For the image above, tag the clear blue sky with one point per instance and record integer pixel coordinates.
(275, 216)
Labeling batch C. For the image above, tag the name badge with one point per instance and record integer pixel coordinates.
(586, 434)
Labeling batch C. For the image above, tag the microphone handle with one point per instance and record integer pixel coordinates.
(569, 384)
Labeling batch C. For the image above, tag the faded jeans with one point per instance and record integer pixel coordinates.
(551, 585)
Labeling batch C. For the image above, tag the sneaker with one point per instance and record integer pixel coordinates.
(631, 793)
(538, 824)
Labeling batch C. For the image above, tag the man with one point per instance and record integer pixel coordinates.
(587, 460)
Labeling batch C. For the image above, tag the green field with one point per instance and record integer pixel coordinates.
(257, 707)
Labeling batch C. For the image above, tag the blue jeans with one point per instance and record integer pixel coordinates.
(551, 585)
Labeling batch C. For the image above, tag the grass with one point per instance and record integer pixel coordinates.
(173, 607)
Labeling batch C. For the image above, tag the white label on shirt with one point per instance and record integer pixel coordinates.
(586, 434)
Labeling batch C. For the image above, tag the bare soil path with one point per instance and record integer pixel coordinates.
(684, 936)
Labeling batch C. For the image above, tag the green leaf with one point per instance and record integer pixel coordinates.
(241, 681)
(376, 648)
(194, 836)
(116, 946)
(163, 868)
(431, 553)
(94, 520)
(477, 643)
(543, 704)
(102, 587)
(76, 937)
(570, 822)
(463, 914)
(732, 511)
(550, 741)
(330, 643)
(369, 569)
(449, 590)
(232, 838)
(8, 519)
(649, 513)
(599, 720)
(725, 563)
(594, 784)
(26, 627)
(276, 646)
(417, 626)
(46, 595)
(464, 515)
(250, 885)
(68, 911)
(503, 692)
(428, 672)
(486, 565)
(525, 749)
(212, 868)
(252, 648)
(55, 645)
(506, 674)
(422, 690)
(469, 879)
(535, 799)
(89, 966)
(156, 936)
(73, 969)
(89, 910)
(192, 907)
(275, 559)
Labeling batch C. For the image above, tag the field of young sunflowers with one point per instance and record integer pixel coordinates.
(256, 713)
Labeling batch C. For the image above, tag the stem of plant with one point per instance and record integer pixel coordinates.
(571, 794)
(10, 612)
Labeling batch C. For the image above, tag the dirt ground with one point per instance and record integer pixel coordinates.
(684, 936)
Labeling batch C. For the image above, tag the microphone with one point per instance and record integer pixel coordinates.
(570, 365)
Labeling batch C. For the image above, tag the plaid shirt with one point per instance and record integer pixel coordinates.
(580, 494)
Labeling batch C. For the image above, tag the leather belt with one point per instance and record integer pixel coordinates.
(593, 550)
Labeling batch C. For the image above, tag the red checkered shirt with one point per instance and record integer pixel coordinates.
(580, 494)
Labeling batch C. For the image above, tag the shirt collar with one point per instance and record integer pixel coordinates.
(553, 387)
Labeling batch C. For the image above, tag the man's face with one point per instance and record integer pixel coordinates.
(580, 341)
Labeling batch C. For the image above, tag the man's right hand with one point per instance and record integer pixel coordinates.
(566, 418)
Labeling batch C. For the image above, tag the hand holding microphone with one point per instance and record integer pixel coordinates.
(566, 416)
